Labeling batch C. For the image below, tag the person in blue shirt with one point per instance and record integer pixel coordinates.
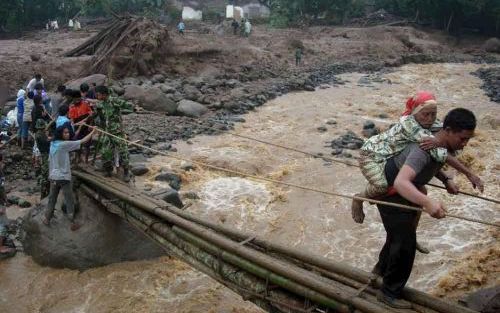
(181, 27)
(60, 173)
(63, 120)
(21, 94)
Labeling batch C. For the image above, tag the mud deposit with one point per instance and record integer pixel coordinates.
(464, 256)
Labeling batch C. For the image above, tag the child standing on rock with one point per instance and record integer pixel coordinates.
(60, 173)
(414, 126)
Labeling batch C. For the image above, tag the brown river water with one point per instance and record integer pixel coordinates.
(464, 255)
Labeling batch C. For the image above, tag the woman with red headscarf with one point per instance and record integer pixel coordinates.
(415, 126)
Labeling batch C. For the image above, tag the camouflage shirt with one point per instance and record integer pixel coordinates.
(391, 142)
(110, 114)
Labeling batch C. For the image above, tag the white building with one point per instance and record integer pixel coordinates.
(190, 14)
(250, 10)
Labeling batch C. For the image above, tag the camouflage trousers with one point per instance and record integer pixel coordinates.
(43, 176)
(374, 172)
(113, 152)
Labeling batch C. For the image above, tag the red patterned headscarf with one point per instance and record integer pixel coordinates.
(420, 101)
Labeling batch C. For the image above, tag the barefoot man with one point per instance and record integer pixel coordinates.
(408, 173)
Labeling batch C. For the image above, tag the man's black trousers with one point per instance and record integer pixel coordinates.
(397, 256)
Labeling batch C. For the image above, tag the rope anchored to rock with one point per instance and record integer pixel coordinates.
(277, 182)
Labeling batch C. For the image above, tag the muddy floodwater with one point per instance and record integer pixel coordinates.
(312, 222)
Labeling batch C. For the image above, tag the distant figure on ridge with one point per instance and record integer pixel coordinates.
(181, 27)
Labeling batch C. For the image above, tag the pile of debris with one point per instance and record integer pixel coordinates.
(128, 46)
(380, 17)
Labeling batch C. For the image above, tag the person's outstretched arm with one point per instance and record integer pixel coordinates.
(89, 136)
(474, 179)
(407, 190)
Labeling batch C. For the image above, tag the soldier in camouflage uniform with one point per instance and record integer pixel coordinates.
(415, 126)
(113, 151)
(43, 144)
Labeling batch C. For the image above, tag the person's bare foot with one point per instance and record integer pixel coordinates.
(45, 221)
(75, 226)
(357, 211)
(422, 249)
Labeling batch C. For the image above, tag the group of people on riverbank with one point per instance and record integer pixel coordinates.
(73, 24)
(52, 127)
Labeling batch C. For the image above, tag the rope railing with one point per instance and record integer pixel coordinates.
(318, 156)
(277, 182)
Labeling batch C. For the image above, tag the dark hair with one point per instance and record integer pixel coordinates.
(38, 86)
(84, 87)
(37, 99)
(102, 90)
(68, 93)
(60, 131)
(63, 110)
(61, 88)
(460, 119)
(31, 94)
(38, 76)
(76, 94)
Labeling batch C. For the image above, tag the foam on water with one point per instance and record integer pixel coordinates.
(234, 195)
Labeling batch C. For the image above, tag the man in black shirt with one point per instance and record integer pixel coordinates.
(408, 173)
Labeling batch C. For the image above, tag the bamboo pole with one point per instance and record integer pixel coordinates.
(361, 276)
(364, 277)
(299, 275)
(178, 253)
(166, 234)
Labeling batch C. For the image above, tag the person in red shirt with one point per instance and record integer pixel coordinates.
(81, 110)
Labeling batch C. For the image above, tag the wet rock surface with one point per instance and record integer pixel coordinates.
(485, 300)
(100, 240)
(491, 82)
(348, 141)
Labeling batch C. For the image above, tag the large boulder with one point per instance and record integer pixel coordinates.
(492, 45)
(103, 239)
(152, 99)
(134, 92)
(191, 92)
(98, 79)
(155, 100)
(191, 108)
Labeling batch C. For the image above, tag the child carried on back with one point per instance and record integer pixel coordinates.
(415, 125)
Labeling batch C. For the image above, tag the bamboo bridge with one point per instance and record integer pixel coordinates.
(275, 277)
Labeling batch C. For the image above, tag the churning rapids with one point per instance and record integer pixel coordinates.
(313, 222)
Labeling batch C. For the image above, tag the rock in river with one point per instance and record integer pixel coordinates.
(139, 170)
(171, 178)
(103, 238)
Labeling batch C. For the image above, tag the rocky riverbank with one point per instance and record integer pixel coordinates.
(491, 79)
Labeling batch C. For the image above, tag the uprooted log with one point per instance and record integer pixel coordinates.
(129, 45)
